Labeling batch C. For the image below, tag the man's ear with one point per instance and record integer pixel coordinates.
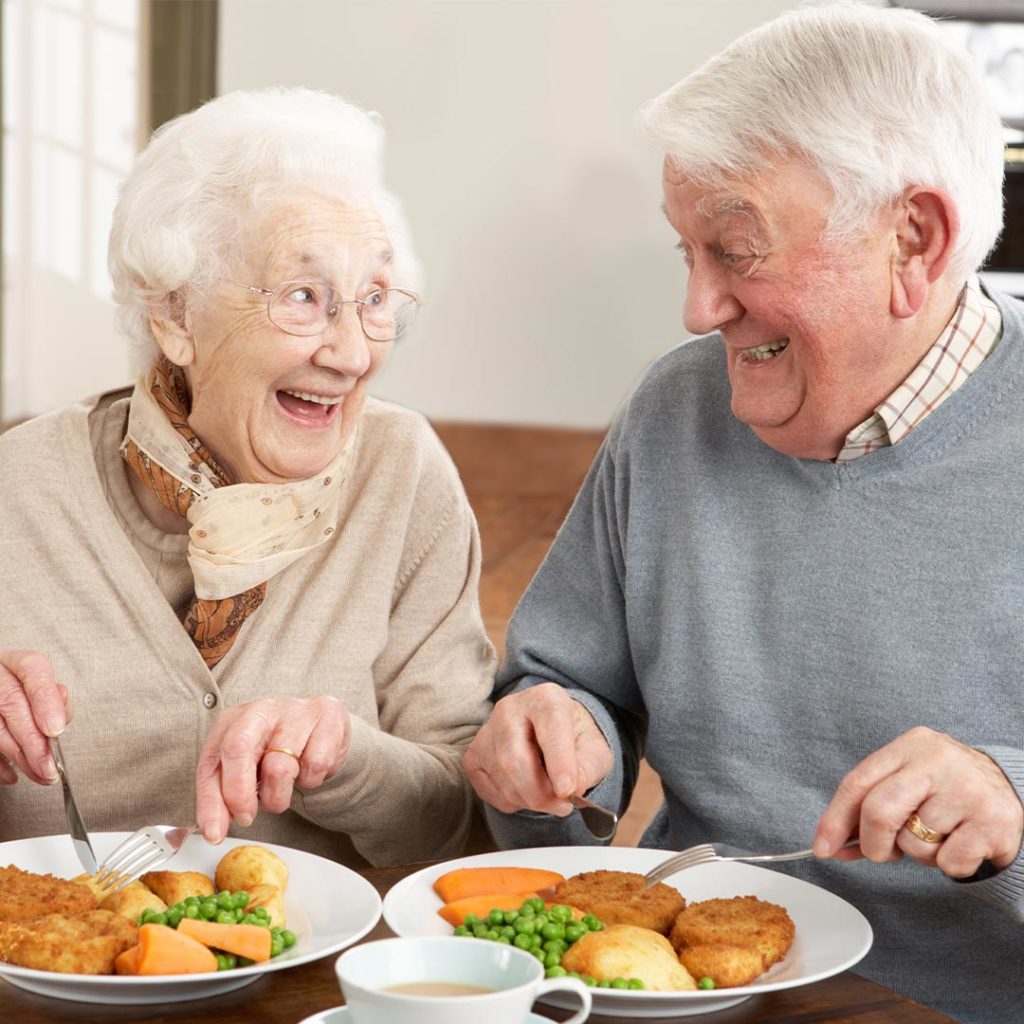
(927, 227)
(168, 320)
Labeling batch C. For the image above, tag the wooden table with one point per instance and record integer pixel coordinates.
(286, 997)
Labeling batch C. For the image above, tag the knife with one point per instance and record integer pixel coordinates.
(76, 827)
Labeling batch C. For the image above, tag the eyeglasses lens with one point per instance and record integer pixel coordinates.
(307, 308)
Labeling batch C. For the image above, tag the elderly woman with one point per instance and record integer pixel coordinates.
(255, 584)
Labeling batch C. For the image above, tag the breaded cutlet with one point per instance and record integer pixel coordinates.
(85, 943)
(743, 921)
(726, 966)
(621, 897)
(25, 895)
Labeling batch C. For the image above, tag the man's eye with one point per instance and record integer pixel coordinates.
(733, 259)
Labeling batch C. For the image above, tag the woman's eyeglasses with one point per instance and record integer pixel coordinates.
(306, 308)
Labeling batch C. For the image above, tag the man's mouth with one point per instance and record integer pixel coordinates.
(769, 350)
(309, 405)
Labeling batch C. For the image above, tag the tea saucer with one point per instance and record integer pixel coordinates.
(341, 1015)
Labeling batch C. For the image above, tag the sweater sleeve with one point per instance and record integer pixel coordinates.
(571, 628)
(401, 794)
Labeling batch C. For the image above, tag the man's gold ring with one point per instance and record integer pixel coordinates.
(922, 831)
(283, 750)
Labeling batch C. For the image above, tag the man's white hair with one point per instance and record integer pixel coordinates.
(195, 191)
(875, 99)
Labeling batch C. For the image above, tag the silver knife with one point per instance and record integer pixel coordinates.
(76, 827)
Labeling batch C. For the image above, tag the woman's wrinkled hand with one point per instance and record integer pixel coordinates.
(240, 754)
(955, 790)
(33, 706)
(538, 748)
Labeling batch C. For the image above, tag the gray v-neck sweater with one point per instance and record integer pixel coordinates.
(760, 623)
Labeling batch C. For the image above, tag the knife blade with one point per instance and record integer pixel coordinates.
(76, 827)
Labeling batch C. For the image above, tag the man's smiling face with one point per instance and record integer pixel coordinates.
(811, 343)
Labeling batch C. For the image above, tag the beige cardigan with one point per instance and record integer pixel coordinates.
(384, 617)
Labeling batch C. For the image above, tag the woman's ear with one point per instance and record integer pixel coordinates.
(927, 227)
(168, 320)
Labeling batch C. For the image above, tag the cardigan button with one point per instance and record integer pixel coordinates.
(210, 700)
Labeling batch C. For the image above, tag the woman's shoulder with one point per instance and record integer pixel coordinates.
(401, 442)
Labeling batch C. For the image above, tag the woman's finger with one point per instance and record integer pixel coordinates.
(327, 744)
(26, 676)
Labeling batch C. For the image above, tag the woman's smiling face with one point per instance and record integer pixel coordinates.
(270, 406)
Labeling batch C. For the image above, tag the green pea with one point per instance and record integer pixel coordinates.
(573, 932)
(589, 981)
(527, 910)
(554, 946)
(174, 917)
(504, 940)
(241, 899)
(619, 983)
(510, 916)
(491, 935)
(706, 982)
(244, 961)
(507, 931)
(560, 913)
(192, 911)
(480, 930)
(225, 917)
(537, 903)
(496, 917)
(461, 929)
(521, 941)
(539, 954)
(536, 942)
(589, 922)
(524, 925)
(575, 974)
(551, 959)
(553, 931)
(470, 920)
(225, 901)
(158, 919)
(555, 972)
(635, 983)
(261, 912)
(276, 945)
(604, 983)
(222, 962)
(208, 910)
(251, 919)
(192, 901)
(542, 920)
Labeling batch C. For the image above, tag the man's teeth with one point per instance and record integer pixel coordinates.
(765, 351)
(308, 396)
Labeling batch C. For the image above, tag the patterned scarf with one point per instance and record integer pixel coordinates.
(241, 534)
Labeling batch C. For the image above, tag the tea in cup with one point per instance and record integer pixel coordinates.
(442, 979)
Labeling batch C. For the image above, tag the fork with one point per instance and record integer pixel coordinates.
(713, 853)
(143, 850)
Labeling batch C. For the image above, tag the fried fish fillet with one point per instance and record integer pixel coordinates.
(85, 943)
(627, 951)
(711, 936)
(25, 895)
(621, 897)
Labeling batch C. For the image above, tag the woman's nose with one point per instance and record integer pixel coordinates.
(344, 346)
(709, 302)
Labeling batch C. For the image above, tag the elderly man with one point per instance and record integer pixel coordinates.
(793, 577)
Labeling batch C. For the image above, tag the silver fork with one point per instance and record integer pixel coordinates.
(143, 850)
(713, 853)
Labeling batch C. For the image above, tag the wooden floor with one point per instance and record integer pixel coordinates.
(521, 482)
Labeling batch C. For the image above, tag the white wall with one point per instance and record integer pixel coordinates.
(552, 281)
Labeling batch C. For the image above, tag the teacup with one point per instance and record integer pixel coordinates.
(383, 982)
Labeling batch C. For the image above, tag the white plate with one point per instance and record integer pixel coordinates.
(328, 907)
(831, 935)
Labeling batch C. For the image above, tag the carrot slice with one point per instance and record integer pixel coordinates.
(248, 940)
(462, 883)
(162, 950)
(455, 913)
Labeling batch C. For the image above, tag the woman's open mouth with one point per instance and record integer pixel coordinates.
(311, 408)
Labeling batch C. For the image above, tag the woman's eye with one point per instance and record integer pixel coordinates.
(304, 294)
(377, 298)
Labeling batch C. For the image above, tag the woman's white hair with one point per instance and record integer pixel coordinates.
(193, 191)
(876, 100)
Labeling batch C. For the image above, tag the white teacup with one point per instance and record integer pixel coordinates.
(514, 979)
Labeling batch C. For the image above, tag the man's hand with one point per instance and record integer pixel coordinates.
(248, 743)
(33, 706)
(956, 791)
(538, 748)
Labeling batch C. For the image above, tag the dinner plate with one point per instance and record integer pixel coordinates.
(831, 935)
(341, 1015)
(328, 907)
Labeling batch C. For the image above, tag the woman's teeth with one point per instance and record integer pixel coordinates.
(308, 396)
(766, 351)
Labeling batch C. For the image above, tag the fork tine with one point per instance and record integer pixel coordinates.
(141, 858)
(689, 858)
(118, 881)
(119, 855)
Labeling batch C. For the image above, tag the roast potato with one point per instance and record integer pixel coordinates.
(245, 867)
(628, 951)
(271, 899)
(174, 886)
(132, 900)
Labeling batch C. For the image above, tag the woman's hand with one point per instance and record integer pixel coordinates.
(248, 745)
(538, 748)
(956, 791)
(33, 706)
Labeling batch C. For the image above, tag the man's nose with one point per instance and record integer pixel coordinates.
(344, 346)
(709, 302)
